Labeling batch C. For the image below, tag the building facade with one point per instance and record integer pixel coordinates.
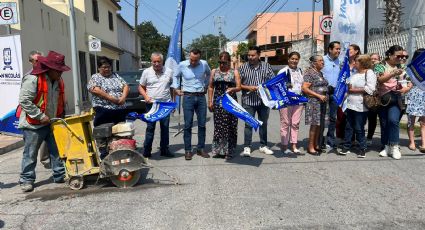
(129, 60)
(44, 25)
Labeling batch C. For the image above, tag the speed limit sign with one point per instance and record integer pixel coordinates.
(325, 24)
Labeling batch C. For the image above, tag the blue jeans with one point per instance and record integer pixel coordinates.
(356, 122)
(389, 118)
(263, 115)
(150, 132)
(333, 108)
(191, 105)
(33, 139)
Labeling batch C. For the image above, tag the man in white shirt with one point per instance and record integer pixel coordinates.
(155, 86)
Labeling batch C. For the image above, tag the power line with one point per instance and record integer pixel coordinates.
(257, 16)
(203, 19)
(129, 3)
(274, 14)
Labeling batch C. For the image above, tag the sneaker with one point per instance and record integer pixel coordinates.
(343, 152)
(395, 151)
(362, 154)
(385, 152)
(298, 152)
(246, 152)
(27, 187)
(287, 152)
(266, 150)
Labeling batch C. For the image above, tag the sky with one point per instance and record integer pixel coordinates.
(237, 14)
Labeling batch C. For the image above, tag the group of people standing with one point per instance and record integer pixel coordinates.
(200, 87)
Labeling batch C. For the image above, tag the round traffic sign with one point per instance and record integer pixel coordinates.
(94, 45)
(6, 13)
(325, 24)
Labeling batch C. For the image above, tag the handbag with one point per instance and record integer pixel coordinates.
(373, 102)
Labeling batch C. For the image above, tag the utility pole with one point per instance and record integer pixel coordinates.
(218, 22)
(326, 11)
(312, 28)
(75, 79)
(298, 24)
(136, 36)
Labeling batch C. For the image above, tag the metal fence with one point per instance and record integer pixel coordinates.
(409, 39)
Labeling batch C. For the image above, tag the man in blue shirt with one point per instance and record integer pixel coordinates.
(331, 72)
(191, 82)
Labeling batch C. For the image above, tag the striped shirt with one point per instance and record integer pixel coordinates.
(254, 76)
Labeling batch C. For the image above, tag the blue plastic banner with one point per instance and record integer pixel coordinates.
(416, 71)
(232, 106)
(341, 86)
(275, 94)
(158, 111)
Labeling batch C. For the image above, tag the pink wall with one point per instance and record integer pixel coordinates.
(285, 23)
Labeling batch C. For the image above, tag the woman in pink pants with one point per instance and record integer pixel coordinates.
(291, 115)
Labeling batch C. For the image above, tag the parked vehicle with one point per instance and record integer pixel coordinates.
(134, 101)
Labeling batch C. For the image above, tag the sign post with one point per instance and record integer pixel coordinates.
(95, 45)
(325, 24)
(8, 15)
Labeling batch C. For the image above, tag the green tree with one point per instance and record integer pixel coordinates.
(208, 44)
(151, 40)
(242, 51)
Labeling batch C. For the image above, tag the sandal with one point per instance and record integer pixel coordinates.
(412, 148)
(422, 149)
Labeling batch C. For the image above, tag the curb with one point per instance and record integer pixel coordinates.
(11, 147)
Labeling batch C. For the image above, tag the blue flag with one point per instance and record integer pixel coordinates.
(175, 46)
(232, 106)
(341, 86)
(275, 94)
(416, 71)
(158, 111)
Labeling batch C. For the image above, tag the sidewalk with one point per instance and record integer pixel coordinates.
(9, 143)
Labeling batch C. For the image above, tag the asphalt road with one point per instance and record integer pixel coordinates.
(261, 192)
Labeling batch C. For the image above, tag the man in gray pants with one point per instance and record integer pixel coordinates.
(43, 152)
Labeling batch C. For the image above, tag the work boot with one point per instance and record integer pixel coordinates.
(201, 153)
(27, 187)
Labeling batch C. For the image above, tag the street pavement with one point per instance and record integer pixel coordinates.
(261, 192)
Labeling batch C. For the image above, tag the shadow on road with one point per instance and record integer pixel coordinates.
(95, 186)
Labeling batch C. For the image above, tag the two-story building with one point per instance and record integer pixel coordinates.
(44, 25)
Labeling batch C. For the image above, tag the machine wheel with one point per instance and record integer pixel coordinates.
(76, 182)
(125, 178)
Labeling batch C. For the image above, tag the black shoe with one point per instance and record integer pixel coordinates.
(218, 156)
(362, 154)
(147, 155)
(59, 181)
(167, 153)
(344, 152)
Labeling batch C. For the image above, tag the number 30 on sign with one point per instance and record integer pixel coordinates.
(325, 24)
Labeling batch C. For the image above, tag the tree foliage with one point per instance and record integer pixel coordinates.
(151, 40)
(209, 46)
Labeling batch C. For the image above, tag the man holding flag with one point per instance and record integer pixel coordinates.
(253, 73)
(155, 87)
(331, 73)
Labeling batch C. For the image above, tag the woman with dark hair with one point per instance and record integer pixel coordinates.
(390, 89)
(416, 109)
(109, 93)
(290, 116)
(223, 80)
(315, 87)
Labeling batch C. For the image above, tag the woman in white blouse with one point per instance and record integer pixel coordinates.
(290, 116)
(363, 82)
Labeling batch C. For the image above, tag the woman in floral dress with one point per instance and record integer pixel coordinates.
(223, 80)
